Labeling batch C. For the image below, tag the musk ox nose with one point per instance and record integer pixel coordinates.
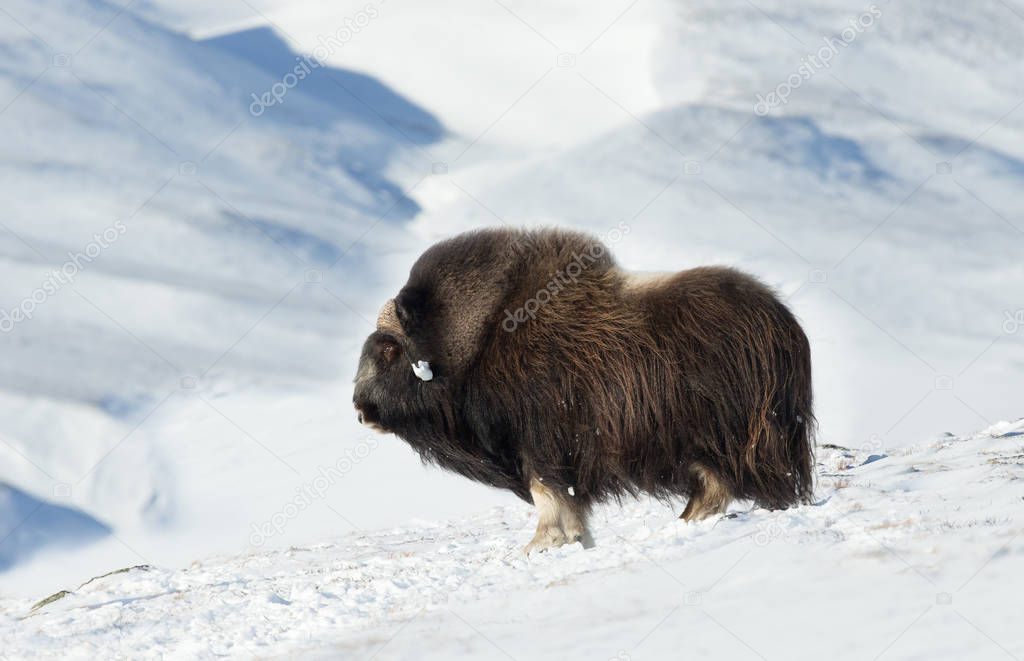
(367, 413)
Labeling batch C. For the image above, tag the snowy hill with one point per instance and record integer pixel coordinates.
(904, 554)
(46, 525)
(199, 247)
(194, 376)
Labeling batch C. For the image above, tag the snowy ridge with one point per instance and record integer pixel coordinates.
(46, 524)
(221, 221)
(197, 373)
(886, 560)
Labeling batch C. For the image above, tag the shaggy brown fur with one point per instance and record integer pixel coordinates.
(592, 381)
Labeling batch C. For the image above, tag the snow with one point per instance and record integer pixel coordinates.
(46, 524)
(185, 397)
(904, 552)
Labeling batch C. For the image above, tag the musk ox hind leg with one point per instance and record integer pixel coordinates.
(709, 495)
(562, 521)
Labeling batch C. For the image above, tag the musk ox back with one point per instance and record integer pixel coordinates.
(527, 360)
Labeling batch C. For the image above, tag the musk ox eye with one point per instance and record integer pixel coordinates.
(389, 351)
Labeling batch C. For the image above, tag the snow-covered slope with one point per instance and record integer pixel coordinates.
(160, 240)
(904, 554)
(195, 375)
(45, 525)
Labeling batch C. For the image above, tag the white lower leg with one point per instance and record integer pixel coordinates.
(559, 522)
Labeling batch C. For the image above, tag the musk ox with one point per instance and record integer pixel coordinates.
(529, 361)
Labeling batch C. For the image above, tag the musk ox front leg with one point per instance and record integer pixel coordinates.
(562, 520)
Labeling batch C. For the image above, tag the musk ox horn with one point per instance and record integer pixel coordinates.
(387, 318)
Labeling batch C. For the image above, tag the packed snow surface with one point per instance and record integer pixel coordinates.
(906, 553)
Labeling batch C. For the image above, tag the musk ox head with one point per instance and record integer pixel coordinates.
(429, 333)
(395, 383)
